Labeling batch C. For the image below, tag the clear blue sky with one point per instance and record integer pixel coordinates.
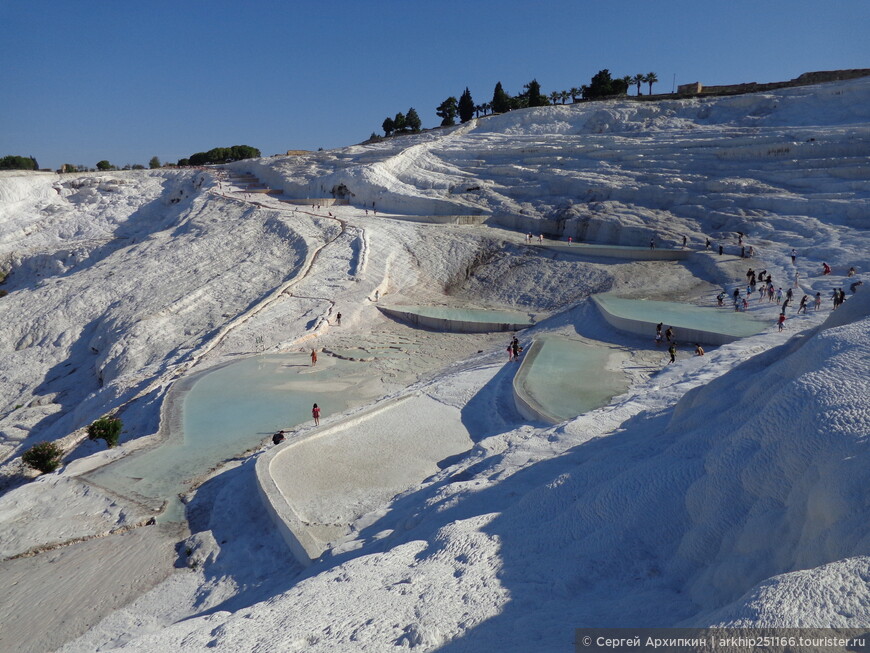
(82, 81)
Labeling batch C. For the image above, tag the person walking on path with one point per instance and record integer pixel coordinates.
(803, 305)
(313, 357)
(315, 413)
(672, 350)
(338, 319)
(818, 301)
(793, 256)
(781, 320)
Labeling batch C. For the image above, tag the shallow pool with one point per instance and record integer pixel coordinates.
(229, 410)
(712, 319)
(466, 320)
(565, 378)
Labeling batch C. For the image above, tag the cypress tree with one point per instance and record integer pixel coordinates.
(501, 101)
(466, 106)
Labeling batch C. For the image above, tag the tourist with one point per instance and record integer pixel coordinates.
(818, 300)
(315, 413)
(672, 350)
(515, 345)
(669, 334)
(313, 357)
(685, 240)
(707, 244)
(851, 272)
(652, 243)
(541, 239)
(826, 269)
(699, 350)
(781, 320)
(803, 305)
(855, 285)
(278, 438)
(720, 298)
(338, 319)
(793, 256)
(721, 249)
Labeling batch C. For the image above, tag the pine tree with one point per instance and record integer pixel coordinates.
(154, 163)
(412, 120)
(466, 106)
(388, 126)
(533, 92)
(447, 111)
(501, 101)
(400, 122)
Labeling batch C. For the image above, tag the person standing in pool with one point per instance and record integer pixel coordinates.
(699, 350)
(315, 413)
(313, 357)
(669, 334)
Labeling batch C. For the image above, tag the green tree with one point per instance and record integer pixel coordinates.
(501, 101)
(388, 126)
(400, 122)
(154, 163)
(447, 111)
(533, 93)
(106, 428)
(650, 78)
(183, 163)
(554, 97)
(602, 85)
(104, 165)
(412, 120)
(466, 106)
(12, 162)
(44, 457)
(638, 80)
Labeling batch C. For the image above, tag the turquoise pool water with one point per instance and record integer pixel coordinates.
(468, 314)
(714, 319)
(231, 409)
(567, 378)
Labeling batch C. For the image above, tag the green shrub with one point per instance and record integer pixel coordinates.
(106, 428)
(44, 456)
